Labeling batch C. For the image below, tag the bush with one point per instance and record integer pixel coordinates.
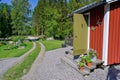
(15, 38)
(22, 38)
(3, 43)
(12, 47)
(23, 44)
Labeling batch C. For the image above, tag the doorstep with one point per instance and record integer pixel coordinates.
(69, 59)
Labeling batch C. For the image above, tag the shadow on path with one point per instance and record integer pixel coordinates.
(113, 73)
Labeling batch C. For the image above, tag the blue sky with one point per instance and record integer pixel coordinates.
(32, 2)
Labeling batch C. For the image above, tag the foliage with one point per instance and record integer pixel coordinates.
(2, 43)
(52, 44)
(92, 52)
(81, 64)
(23, 44)
(83, 59)
(5, 20)
(17, 71)
(19, 14)
(13, 52)
(49, 17)
(15, 38)
(88, 59)
(51, 23)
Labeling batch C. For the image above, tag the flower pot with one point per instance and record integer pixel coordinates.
(81, 69)
(89, 64)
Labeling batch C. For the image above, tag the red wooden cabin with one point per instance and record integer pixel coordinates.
(103, 29)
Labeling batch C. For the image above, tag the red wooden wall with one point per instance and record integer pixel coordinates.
(96, 36)
(114, 34)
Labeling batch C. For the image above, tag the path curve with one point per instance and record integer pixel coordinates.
(5, 64)
(52, 68)
(33, 73)
(21, 58)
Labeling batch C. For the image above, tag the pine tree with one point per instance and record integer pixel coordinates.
(5, 20)
(49, 17)
(38, 18)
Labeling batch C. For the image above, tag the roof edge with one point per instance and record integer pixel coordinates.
(87, 7)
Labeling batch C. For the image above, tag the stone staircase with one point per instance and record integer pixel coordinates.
(69, 59)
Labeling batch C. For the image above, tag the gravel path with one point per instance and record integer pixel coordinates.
(52, 68)
(8, 63)
(33, 73)
(109, 73)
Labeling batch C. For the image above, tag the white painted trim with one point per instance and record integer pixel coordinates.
(89, 31)
(88, 47)
(110, 1)
(88, 13)
(106, 33)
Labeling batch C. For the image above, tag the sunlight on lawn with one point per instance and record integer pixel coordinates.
(14, 52)
(52, 44)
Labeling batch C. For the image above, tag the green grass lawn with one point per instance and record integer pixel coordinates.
(14, 52)
(52, 44)
(16, 72)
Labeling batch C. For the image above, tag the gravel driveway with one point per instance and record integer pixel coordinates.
(6, 64)
(52, 68)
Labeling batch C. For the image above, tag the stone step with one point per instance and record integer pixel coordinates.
(70, 62)
(69, 56)
(73, 64)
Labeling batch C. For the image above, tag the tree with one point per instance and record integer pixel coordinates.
(36, 20)
(50, 17)
(5, 20)
(51, 21)
(20, 12)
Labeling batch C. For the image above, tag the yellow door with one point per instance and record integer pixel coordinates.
(80, 32)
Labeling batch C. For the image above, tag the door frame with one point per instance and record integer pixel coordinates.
(88, 14)
(106, 34)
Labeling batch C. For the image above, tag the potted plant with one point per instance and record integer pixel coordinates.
(81, 66)
(83, 59)
(93, 54)
(88, 61)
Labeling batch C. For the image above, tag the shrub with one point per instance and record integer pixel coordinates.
(23, 44)
(3, 43)
(15, 38)
(22, 38)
